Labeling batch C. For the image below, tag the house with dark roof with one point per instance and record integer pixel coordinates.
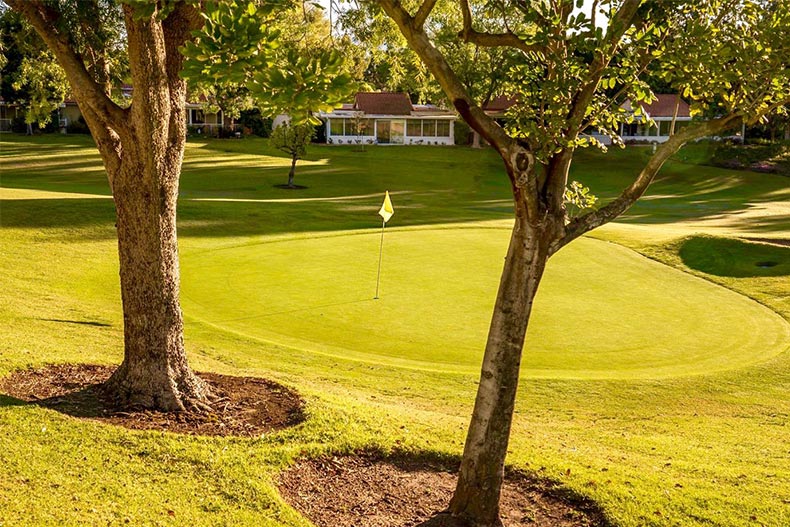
(662, 111)
(497, 106)
(666, 108)
(388, 118)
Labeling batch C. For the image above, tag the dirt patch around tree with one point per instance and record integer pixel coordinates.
(246, 406)
(369, 490)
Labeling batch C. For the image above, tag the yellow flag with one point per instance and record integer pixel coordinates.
(386, 211)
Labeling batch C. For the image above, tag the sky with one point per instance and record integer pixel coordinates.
(585, 7)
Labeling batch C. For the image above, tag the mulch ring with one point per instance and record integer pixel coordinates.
(246, 406)
(369, 490)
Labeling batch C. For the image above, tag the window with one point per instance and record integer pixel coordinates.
(359, 127)
(414, 128)
(429, 128)
(629, 129)
(442, 128)
(197, 116)
(644, 130)
(336, 126)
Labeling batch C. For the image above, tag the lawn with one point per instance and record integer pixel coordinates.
(656, 376)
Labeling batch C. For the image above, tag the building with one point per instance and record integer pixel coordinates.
(198, 119)
(661, 111)
(667, 108)
(8, 112)
(388, 118)
(201, 121)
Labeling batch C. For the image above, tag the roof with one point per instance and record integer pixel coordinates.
(664, 106)
(383, 103)
(500, 103)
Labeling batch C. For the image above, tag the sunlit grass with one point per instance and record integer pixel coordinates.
(653, 450)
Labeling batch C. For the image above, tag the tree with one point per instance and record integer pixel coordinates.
(572, 74)
(29, 76)
(142, 147)
(286, 62)
(361, 126)
(293, 140)
(393, 66)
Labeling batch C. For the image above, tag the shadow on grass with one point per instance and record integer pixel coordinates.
(95, 219)
(82, 402)
(80, 322)
(442, 186)
(735, 258)
(5, 400)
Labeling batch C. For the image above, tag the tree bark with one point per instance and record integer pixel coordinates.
(292, 172)
(476, 497)
(154, 373)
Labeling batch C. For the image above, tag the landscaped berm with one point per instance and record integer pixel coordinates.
(655, 385)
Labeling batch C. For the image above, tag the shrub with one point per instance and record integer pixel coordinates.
(257, 124)
(78, 127)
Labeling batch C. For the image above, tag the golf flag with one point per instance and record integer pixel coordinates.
(386, 211)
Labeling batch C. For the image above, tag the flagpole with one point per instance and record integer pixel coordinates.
(381, 251)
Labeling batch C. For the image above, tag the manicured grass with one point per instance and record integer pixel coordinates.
(316, 294)
(667, 402)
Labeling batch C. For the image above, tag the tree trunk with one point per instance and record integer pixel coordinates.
(476, 497)
(154, 373)
(142, 148)
(475, 139)
(292, 172)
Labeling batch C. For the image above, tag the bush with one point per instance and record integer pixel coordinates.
(78, 127)
(769, 158)
(255, 123)
(228, 132)
(18, 125)
(462, 133)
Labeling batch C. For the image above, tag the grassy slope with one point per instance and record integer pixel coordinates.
(691, 450)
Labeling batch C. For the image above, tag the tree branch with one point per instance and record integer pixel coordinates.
(491, 40)
(557, 175)
(630, 195)
(423, 12)
(619, 24)
(473, 114)
(45, 20)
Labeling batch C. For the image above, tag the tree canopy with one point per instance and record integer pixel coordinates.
(267, 55)
(29, 74)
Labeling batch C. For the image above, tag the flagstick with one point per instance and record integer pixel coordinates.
(381, 251)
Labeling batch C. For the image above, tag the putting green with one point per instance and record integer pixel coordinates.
(603, 311)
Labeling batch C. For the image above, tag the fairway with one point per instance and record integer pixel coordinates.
(604, 312)
(656, 378)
